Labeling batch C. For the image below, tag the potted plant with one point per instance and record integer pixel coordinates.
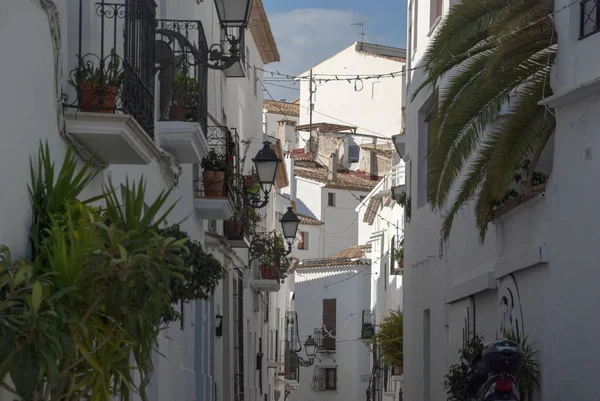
(98, 87)
(399, 257)
(213, 175)
(184, 102)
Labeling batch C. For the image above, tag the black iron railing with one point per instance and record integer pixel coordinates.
(183, 77)
(239, 340)
(114, 69)
(368, 324)
(292, 367)
(590, 18)
(233, 41)
(223, 146)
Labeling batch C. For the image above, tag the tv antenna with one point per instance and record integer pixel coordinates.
(362, 27)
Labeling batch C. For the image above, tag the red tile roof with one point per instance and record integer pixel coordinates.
(350, 180)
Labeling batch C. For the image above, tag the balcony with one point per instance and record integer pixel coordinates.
(267, 278)
(292, 367)
(368, 324)
(325, 342)
(110, 97)
(589, 18)
(182, 56)
(215, 190)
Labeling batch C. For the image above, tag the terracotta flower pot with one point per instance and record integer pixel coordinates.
(177, 113)
(249, 181)
(401, 263)
(98, 98)
(267, 272)
(214, 182)
(234, 228)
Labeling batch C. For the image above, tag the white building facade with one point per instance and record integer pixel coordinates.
(330, 297)
(213, 353)
(534, 273)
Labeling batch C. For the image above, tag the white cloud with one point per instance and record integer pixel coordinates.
(305, 37)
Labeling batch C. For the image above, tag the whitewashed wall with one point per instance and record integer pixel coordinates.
(374, 109)
(341, 221)
(352, 355)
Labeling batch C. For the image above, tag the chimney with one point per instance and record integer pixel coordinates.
(333, 166)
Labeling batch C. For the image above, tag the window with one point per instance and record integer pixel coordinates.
(435, 11)
(330, 378)
(331, 199)
(353, 153)
(303, 244)
(255, 82)
(329, 324)
(589, 23)
(422, 164)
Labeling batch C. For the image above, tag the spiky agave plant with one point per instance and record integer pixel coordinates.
(529, 376)
(497, 55)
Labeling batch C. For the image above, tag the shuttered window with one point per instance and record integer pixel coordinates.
(303, 244)
(329, 323)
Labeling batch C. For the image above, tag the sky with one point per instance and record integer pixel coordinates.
(310, 31)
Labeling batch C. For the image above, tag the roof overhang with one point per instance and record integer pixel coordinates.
(260, 28)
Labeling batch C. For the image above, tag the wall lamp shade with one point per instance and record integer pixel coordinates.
(266, 163)
(233, 12)
(289, 224)
(219, 325)
(310, 346)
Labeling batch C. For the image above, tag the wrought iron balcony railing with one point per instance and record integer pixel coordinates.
(292, 367)
(589, 18)
(368, 324)
(183, 78)
(220, 175)
(325, 341)
(114, 67)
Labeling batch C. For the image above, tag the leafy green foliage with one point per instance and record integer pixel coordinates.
(455, 380)
(270, 249)
(214, 161)
(109, 73)
(529, 376)
(390, 340)
(201, 274)
(488, 121)
(95, 294)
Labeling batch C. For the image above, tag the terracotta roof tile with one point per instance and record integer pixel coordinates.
(261, 33)
(353, 256)
(285, 108)
(350, 180)
(354, 252)
(309, 220)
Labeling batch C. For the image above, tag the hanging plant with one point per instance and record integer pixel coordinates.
(200, 277)
(458, 375)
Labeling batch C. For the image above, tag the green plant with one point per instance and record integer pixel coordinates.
(499, 53)
(214, 161)
(201, 275)
(455, 381)
(402, 199)
(529, 376)
(72, 319)
(390, 340)
(399, 254)
(106, 74)
(185, 91)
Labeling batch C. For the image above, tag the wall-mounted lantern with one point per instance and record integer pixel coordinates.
(219, 325)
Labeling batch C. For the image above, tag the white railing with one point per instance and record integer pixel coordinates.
(394, 178)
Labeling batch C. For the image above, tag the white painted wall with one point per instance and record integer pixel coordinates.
(376, 109)
(341, 221)
(352, 355)
(315, 248)
(195, 362)
(548, 244)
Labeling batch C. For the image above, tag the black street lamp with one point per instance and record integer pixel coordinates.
(289, 224)
(266, 164)
(310, 347)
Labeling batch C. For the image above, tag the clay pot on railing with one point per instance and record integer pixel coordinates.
(214, 183)
(267, 272)
(234, 228)
(177, 113)
(97, 98)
